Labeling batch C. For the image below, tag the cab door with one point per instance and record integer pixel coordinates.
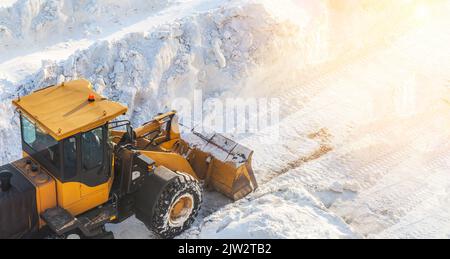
(86, 171)
(94, 164)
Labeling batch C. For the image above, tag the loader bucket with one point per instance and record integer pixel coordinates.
(222, 163)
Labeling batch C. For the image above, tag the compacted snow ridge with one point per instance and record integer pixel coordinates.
(363, 148)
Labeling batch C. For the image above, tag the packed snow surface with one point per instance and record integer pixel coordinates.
(363, 148)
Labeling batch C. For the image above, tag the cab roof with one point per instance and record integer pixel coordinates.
(65, 110)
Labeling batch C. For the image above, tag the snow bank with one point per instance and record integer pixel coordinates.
(279, 209)
(46, 22)
(7, 3)
(210, 51)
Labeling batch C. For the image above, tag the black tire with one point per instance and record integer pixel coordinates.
(184, 186)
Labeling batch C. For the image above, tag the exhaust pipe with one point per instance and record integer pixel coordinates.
(5, 180)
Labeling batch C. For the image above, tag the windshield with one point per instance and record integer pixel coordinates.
(42, 144)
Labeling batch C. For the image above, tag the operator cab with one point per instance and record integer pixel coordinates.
(80, 158)
(65, 131)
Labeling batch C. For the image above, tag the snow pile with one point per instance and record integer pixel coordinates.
(45, 22)
(10, 145)
(214, 51)
(7, 3)
(279, 209)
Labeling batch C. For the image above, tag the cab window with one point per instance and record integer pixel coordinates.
(92, 144)
(70, 158)
(40, 144)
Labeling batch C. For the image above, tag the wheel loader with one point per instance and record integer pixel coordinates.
(83, 167)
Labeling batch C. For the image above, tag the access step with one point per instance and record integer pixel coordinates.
(60, 220)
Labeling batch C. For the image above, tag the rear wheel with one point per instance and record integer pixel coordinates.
(177, 206)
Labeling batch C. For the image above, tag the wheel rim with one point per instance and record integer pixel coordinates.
(181, 210)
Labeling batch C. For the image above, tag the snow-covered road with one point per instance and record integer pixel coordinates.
(364, 149)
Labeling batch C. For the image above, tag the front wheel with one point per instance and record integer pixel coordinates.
(177, 206)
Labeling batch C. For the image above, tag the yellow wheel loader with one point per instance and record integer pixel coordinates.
(83, 168)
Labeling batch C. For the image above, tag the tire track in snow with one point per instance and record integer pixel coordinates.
(386, 158)
(403, 190)
(322, 136)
